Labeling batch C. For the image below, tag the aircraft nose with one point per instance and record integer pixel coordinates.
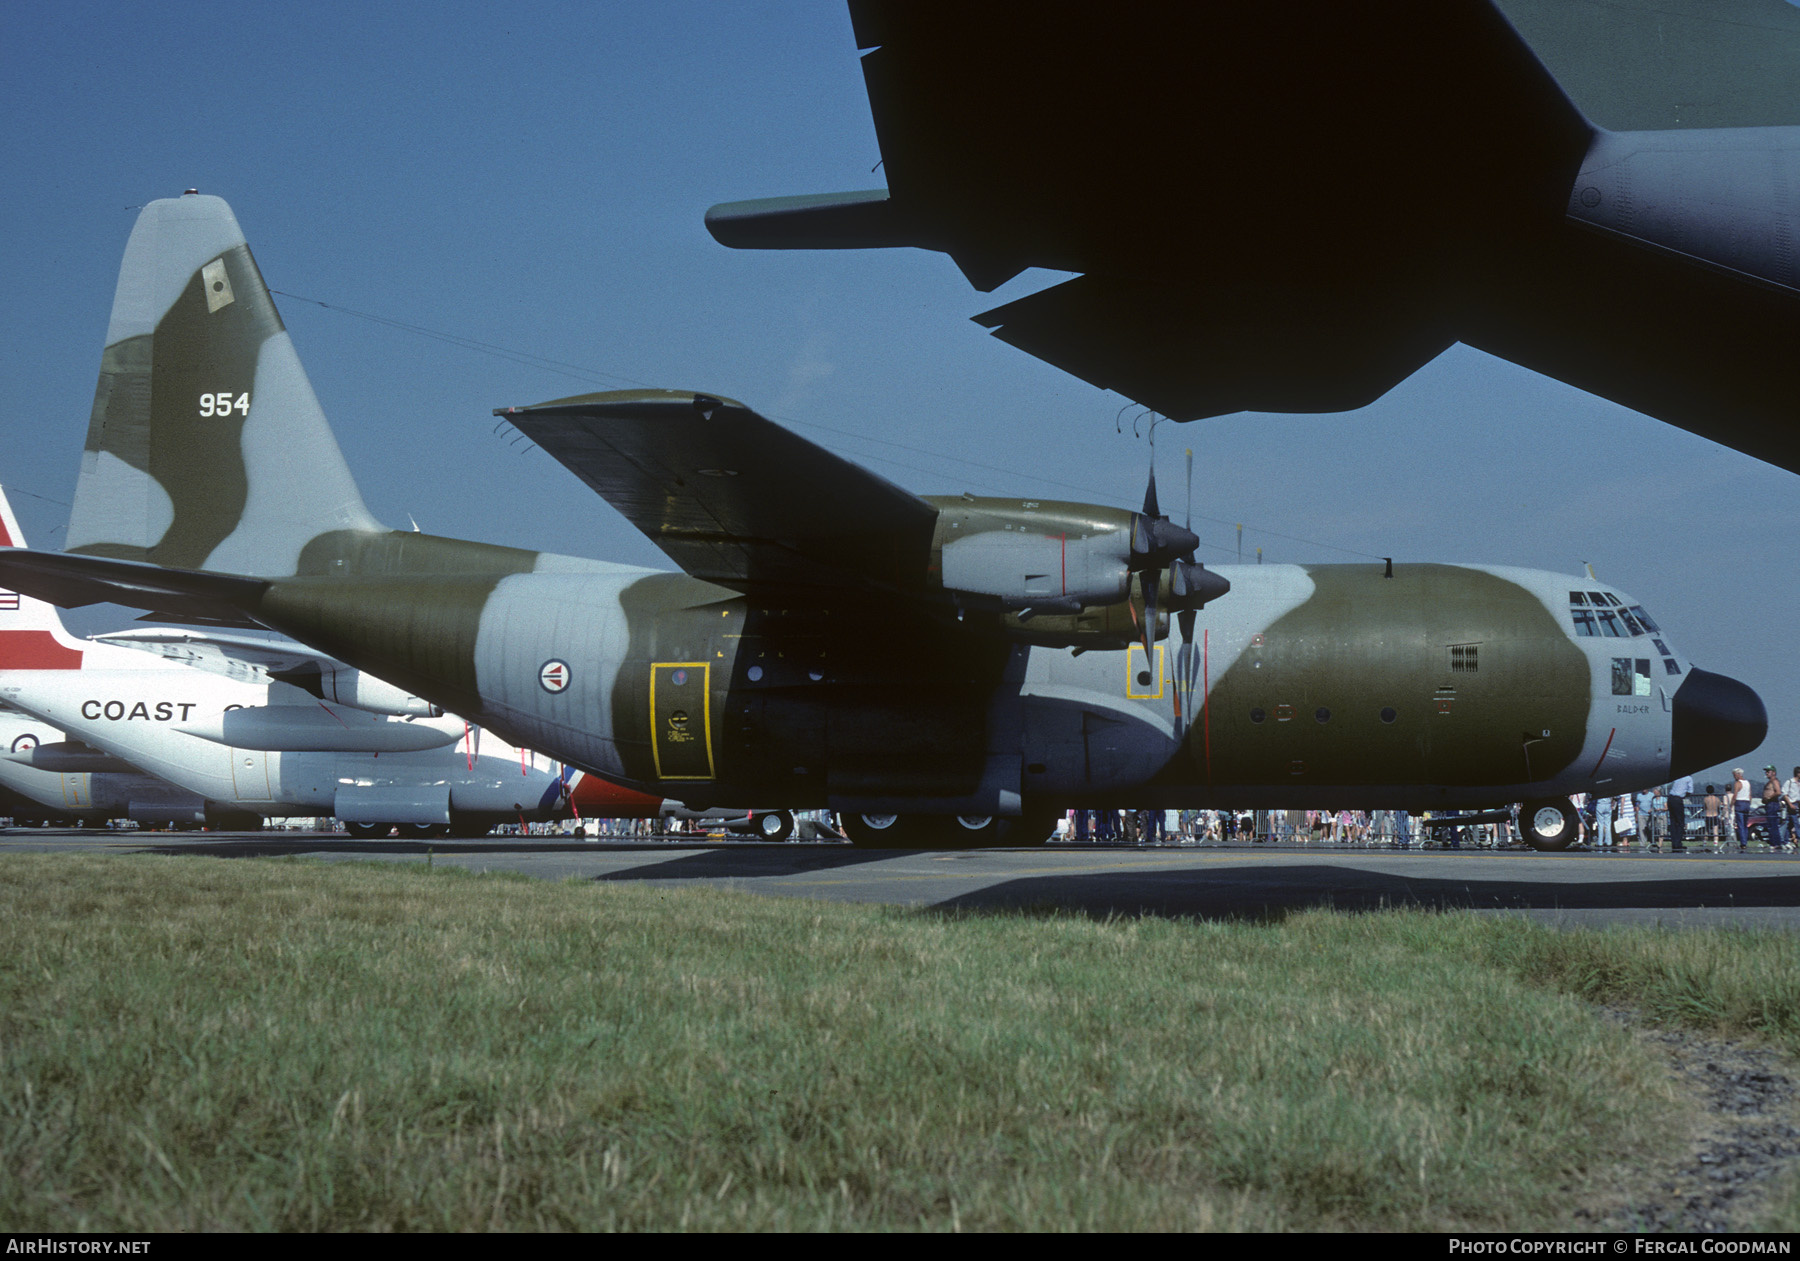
(1715, 720)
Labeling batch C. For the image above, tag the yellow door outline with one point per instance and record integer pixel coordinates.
(1134, 662)
(705, 668)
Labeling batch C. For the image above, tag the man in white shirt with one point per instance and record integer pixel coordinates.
(1740, 806)
(1679, 792)
(1790, 793)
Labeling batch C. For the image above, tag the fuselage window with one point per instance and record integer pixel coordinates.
(1322, 714)
(1670, 666)
(1631, 676)
(1598, 597)
(1257, 715)
(1388, 714)
(1584, 622)
(1577, 597)
(1610, 625)
(1650, 627)
(1631, 623)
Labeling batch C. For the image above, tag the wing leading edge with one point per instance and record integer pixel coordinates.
(732, 497)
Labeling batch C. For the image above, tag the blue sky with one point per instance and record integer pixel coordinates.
(534, 177)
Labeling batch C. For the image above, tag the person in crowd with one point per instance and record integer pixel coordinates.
(1790, 795)
(1771, 799)
(1625, 821)
(1603, 823)
(1678, 793)
(1740, 806)
(1715, 833)
(1646, 818)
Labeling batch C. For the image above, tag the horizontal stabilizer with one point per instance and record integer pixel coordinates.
(817, 221)
(177, 594)
(732, 497)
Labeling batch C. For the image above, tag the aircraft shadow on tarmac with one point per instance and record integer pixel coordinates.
(714, 862)
(749, 862)
(253, 846)
(1241, 894)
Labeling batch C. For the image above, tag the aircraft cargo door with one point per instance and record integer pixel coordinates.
(681, 719)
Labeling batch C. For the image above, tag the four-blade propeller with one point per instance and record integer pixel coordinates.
(1158, 544)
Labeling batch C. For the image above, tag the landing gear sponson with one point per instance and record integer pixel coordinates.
(936, 831)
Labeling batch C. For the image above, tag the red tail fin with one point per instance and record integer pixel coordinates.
(31, 632)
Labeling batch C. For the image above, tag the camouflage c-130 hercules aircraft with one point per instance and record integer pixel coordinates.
(939, 670)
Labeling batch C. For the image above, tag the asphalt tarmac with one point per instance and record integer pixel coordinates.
(1237, 881)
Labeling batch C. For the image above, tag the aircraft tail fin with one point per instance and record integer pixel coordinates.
(32, 635)
(206, 448)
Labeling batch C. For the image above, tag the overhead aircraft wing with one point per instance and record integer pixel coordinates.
(242, 657)
(1292, 207)
(732, 497)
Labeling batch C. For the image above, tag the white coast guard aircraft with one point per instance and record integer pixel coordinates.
(234, 728)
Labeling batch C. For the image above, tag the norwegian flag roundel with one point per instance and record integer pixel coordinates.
(554, 675)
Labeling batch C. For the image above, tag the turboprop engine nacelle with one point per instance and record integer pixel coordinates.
(1026, 569)
(365, 691)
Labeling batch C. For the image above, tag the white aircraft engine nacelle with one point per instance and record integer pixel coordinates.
(365, 691)
(1024, 569)
(316, 729)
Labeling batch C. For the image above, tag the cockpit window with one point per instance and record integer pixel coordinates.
(1599, 614)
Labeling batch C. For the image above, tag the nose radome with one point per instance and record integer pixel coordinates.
(1715, 720)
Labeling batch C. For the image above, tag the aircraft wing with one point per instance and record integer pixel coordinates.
(243, 657)
(1293, 207)
(732, 497)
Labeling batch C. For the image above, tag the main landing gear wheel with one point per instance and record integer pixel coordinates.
(777, 825)
(879, 831)
(937, 831)
(1549, 824)
(424, 831)
(368, 831)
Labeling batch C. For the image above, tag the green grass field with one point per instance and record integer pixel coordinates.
(192, 1044)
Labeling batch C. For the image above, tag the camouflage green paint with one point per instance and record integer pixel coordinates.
(147, 411)
(408, 604)
(1363, 643)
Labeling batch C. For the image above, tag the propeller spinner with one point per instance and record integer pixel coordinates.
(1158, 543)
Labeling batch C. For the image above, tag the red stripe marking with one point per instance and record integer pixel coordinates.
(36, 650)
(1602, 757)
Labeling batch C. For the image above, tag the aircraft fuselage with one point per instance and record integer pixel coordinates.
(1438, 686)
